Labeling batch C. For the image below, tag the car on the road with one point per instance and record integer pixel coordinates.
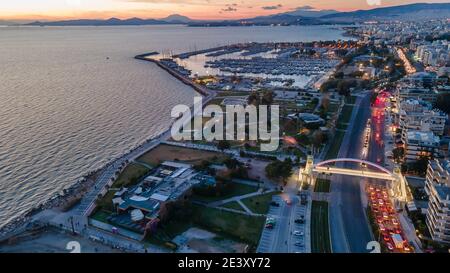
(395, 222)
(389, 246)
(397, 231)
(407, 248)
(303, 199)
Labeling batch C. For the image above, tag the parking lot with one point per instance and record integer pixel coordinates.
(299, 232)
(285, 230)
(267, 241)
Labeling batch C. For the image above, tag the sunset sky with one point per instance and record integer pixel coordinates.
(197, 9)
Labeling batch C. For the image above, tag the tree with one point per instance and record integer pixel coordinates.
(253, 99)
(398, 153)
(279, 169)
(443, 103)
(325, 102)
(317, 138)
(267, 97)
(328, 85)
(339, 75)
(420, 166)
(203, 166)
(231, 163)
(223, 145)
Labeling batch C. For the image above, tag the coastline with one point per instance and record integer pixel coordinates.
(73, 194)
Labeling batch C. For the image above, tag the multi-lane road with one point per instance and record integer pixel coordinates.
(350, 231)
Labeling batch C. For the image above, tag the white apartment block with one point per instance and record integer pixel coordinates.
(419, 144)
(437, 187)
(405, 92)
(418, 115)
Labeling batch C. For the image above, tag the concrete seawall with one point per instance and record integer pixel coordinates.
(200, 89)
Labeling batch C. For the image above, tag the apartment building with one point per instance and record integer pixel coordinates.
(437, 187)
(419, 144)
(420, 116)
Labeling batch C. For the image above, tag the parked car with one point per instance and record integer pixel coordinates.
(275, 204)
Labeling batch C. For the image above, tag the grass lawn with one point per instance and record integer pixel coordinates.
(344, 118)
(237, 189)
(346, 113)
(320, 233)
(167, 152)
(235, 225)
(259, 204)
(335, 145)
(350, 99)
(129, 176)
(168, 231)
(257, 149)
(342, 126)
(101, 216)
(232, 93)
(333, 107)
(322, 185)
(233, 205)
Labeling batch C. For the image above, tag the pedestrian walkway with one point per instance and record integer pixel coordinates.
(410, 232)
(244, 207)
(238, 198)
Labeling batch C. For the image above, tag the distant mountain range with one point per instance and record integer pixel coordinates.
(177, 19)
(301, 16)
(404, 12)
(312, 17)
(108, 22)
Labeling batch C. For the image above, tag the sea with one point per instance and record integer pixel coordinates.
(74, 98)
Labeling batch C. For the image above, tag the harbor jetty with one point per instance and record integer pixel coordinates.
(181, 77)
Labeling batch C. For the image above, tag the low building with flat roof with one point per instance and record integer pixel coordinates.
(308, 119)
(169, 182)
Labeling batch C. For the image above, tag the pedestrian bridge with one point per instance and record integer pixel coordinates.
(397, 185)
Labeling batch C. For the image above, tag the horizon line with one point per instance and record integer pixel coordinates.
(44, 18)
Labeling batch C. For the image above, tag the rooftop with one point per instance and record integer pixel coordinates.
(422, 137)
(443, 191)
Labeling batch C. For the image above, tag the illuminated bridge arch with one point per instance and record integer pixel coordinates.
(354, 160)
(398, 185)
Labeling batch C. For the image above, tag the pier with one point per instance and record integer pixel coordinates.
(199, 88)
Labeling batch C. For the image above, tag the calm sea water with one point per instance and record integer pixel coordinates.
(72, 98)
